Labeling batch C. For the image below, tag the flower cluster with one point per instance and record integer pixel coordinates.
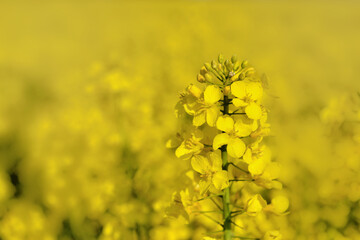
(221, 137)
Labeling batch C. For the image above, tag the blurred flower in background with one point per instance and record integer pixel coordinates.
(87, 96)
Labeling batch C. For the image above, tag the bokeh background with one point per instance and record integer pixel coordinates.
(87, 92)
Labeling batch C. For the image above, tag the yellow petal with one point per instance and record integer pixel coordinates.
(199, 119)
(253, 111)
(200, 164)
(248, 156)
(239, 102)
(212, 114)
(243, 128)
(225, 123)
(280, 204)
(236, 147)
(212, 94)
(272, 171)
(194, 90)
(204, 186)
(216, 161)
(257, 167)
(254, 90)
(255, 205)
(220, 140)
(238, 89)
(182, 150)
(188, 148)
(220, 180)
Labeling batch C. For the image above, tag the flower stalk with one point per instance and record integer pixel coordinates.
(226, 195)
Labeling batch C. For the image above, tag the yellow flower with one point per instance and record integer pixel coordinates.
(208, 108)
(255, 205)
(248, 94)
(202, 105)
(190, 146)
(232, 131)
(211, 172)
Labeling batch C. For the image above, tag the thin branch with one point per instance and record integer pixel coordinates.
(236, 225)
(241, 180)
(212, 219)
(216, 204)
(217, 211)
(211, 196)
(231, 163)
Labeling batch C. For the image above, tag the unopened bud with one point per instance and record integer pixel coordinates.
(242, 76)
(234, 78)
(233, 58)
(214, 64)
(208, 66)
(244, 64)
(236, 65)
(228, 65)
(203, 70)
(226, 90)
(200, 78)
(250, 72)
(221, 58)
(208, 77)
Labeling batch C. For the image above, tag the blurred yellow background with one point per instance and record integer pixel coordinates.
(87, 91)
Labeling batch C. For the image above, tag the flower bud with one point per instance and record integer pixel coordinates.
(250, 72)
(228, 65)
(208, 77)
(242, 76)
(226, 90)
(200, 78)
(214, 64)
(233, 58)
(221, 58)
(208, 66)
(236, 65)
(203, 70)
(244, 64)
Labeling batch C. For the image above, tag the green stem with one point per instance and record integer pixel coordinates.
(226, 195)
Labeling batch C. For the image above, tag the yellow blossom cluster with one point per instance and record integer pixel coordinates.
(222, 126)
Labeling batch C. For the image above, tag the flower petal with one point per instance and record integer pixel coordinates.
(254, 90)
(220, 140)
(239, 102)
(238, 89)
(200, 164)
(257, 167)
(253, 111)
(199, 119)
(212, 114)
(212, 94)
(255, 205)
(243, 127)
(225, 123)
(216, 161)
(220, 180)
(236, 147)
